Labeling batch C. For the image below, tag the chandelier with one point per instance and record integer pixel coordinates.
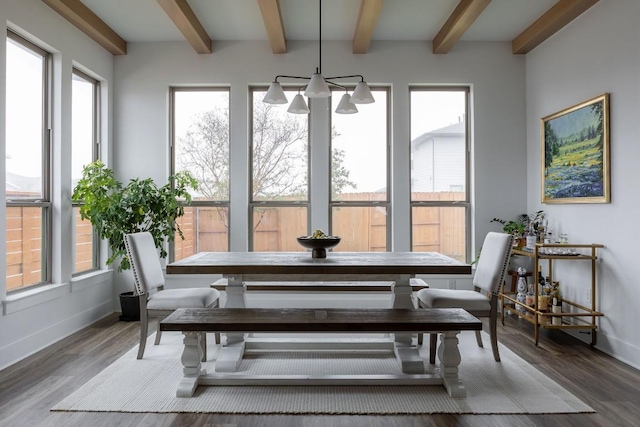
(318, 87)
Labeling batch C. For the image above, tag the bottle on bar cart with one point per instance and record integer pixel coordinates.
(531, 237)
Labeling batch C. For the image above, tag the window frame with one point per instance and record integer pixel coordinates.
(95, 155)
(172, 155)
(466, 204)
(370, 204)
(253, 204)
(44, 202)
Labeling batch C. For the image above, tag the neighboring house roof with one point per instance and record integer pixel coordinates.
(456, 129)
(18, 184)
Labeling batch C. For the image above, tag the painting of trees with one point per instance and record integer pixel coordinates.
(575, 146)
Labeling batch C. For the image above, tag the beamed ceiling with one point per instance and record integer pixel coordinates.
(443, 23)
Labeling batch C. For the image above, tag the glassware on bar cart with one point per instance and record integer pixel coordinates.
(549, 237)
(558, 251)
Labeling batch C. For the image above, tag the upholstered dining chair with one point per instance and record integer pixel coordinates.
(483, 300)
(155, 301)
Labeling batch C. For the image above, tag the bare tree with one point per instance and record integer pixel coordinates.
(279, 151)
(279, 155)
(204, 152)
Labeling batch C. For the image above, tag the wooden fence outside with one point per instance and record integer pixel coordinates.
(363, 229)
(24, 246)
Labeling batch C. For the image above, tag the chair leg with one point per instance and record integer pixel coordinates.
(493, 332)
(217, 337)
(479, 339)
(433, 341)
(420, 338)
(144, 329)
(158, 332)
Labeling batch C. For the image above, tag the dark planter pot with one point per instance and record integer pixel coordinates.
(130, 305)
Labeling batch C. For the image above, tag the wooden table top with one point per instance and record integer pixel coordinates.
(320, 320)
(410, 263)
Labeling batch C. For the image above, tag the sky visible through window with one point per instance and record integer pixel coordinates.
(435, 109)
(23, 112)
(81, 125)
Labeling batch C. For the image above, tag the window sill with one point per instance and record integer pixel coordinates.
(32, 297)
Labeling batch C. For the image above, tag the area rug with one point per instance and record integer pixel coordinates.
(149, 385)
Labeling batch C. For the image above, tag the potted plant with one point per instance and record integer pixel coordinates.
(517, 228)
(115, 210)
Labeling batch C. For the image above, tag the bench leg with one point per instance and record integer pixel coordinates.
(449, 355)
(408, 355)
(433, 342)
(230, 355)
(402, 294)
(191, 365)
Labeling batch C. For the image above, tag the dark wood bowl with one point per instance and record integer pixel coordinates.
(319, 246)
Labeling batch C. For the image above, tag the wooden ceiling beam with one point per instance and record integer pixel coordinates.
(88, 22)
(187, 22)
(272, 18)
(366, 24)
(552, 21)
(458, 22)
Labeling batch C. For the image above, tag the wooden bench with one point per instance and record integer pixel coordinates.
(449, 322)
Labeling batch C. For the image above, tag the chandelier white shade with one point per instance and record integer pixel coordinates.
(298, 105)
(319, 86)
(275, 94)
(362, 94)
(346, 106)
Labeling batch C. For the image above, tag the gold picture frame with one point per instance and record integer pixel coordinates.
(575, 153)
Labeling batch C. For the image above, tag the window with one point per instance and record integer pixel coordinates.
(359, 183)
(279, 199)
(28, 202)
(84, 150)
(200, 145)
(440, 170)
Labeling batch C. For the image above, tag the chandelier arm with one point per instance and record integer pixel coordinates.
(336, 84)
(346, 77)
(291, 77)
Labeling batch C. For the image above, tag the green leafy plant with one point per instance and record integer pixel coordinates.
(518, 226)
(515, 227)
(115, 210)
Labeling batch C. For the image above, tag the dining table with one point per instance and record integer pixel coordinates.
(347, 267)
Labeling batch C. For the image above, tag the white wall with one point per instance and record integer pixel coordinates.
(599, 52)
(496, 76)
(35, 319)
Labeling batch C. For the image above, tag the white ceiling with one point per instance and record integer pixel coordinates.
(145, 21)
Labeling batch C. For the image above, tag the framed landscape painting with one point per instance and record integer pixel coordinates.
(575, 153)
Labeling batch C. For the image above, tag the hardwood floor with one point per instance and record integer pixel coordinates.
(31, 387)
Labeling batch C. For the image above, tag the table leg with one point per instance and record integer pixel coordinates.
(230, 355)
(449, 356)
(191, 365)
(408, 355)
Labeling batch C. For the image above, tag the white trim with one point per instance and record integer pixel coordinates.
(28, 298)
(93, 278)
(32, 297)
